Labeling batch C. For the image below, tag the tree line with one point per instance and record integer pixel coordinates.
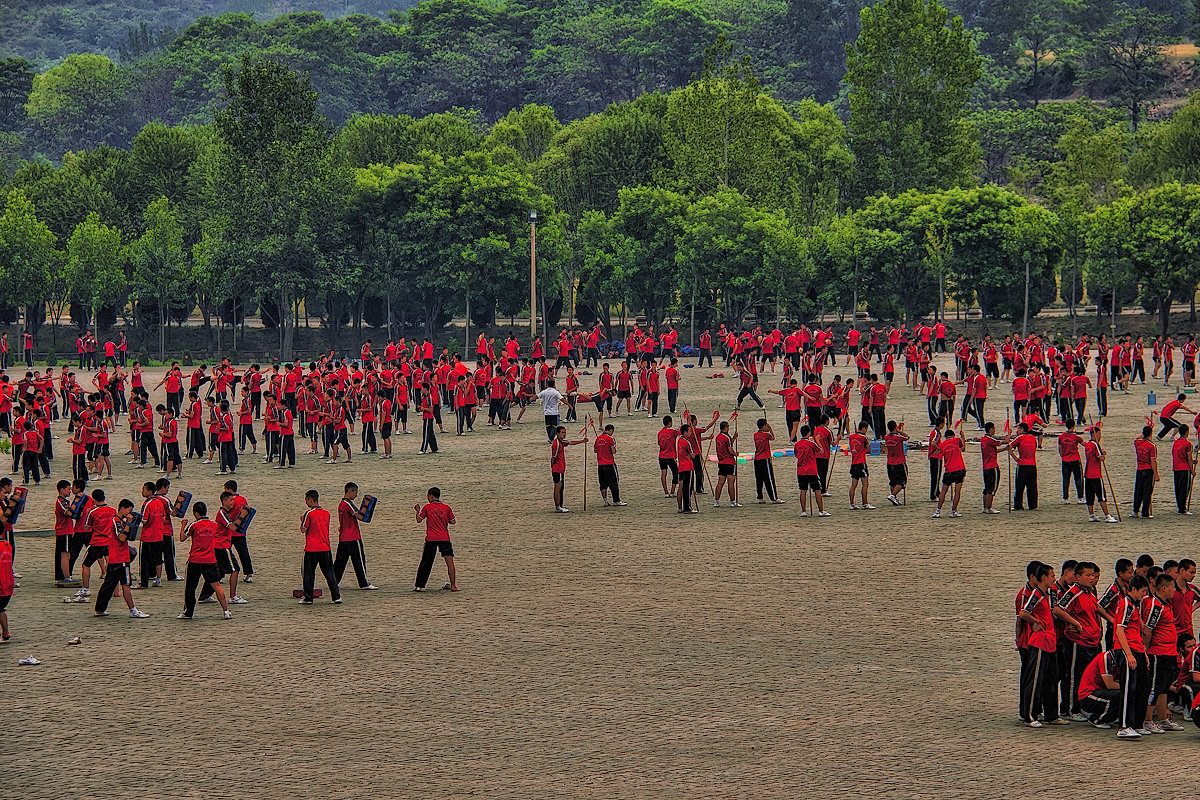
(717, 200)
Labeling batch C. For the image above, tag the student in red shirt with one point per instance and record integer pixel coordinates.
(1080, 643)
(1038, 692)
(605, 448)
(1023, 450)
(1127, 634)
(1183, 465)
(314, 524)
(1161, 651)
(726, 446)
(201, 561)
(954, 474)
(1072, 469)
(1146, 455)
(115, 532)
(667, 457)
(1099, 692)
(558, 464)
(858, 465)
(64, 526)
(897, 464)
(807, 474)
(764, 473)
(350, 546)
(438, 518)
(684, 457)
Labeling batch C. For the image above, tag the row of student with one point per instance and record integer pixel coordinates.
(1126, 658)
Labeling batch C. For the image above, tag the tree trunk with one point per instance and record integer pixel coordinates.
(288, 324)
(162, 330)
(1164, 315)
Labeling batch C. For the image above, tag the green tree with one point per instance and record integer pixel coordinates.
(1107, 272)
(910, 73)
(1169, 151)
(27, 256)
(1127, 57)
(79, 104)
(1164, 235)
(159, 263)
(903, 284)
(96, 264)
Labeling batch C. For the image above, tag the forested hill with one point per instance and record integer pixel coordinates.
(48, 30)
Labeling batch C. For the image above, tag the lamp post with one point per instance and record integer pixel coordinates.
(532, 277)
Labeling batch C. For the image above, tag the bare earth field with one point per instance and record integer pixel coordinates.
(613, 653)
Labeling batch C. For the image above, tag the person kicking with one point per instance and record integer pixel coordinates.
(438, 518)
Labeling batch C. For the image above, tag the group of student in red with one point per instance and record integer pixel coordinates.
(1124, 659)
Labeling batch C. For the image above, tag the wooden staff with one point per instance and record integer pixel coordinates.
(707, 450)
(1112, 493)
(735, 456)
(1008, 424)
(1191, 483)
(585, 427)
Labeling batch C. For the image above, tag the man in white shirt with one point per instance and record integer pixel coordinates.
(550, 398)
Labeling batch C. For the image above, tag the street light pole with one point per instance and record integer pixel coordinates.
(532, 277)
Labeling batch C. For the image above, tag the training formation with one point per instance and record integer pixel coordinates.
(311, 466)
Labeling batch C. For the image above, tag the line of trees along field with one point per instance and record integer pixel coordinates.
(725, 197)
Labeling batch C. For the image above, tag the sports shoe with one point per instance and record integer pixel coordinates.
(853, 507)
(305, 602)
(84, 592)
(1128, 733)
(937, 512)
(1058, 721)
(183, 616)
(1080, 501)
(620, 504)
(868, 507)
(735, 504)
(135, 614)
(954, 513)
(209, 599)
(228, 614)
(237, 601)
(892, 499)
(1170, 725)
(1111, 518)
(1078, 717)
(1034, 724)
(101, 614)
(248, 579)
(1104, 726)
(1093, 518)
(804, 513)
(337, 602)
(716, 504)
(824, 514)
(1149, 728)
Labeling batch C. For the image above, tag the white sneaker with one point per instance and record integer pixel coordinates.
(937, 513)
(228, 614)
(209, 599)
(824, 514)
(1170, 725)
(1034, 724)
(955, 513)
(868, 507)
(716, 504)
(620, 504)
(1078, 717)
(1093, 518)
(735, 504)
(1111, 518)
(237, 601)
(892, 499)
(135, 614)
(563, 510)
(804, 513)
(1080, 501)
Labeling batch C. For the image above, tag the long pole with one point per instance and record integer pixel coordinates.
(1025, 319)
(585, 427)
(1007, 424)
(735, 454)
(707, 451)
(532, 278)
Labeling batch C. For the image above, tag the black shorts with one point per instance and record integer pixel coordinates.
(385, 430)
(1093, 490)
(210, 572)
(858, 470)
(897, 474)
(806, 482)
(444, 547)
(993, 371)
(227, 562)
(557, 476)
(991, 480)
(669, 463)
(95, 552)
(121, 572)
(1163, 671)
(792, 417)
(951, 478)
(99, 450)
(1007, 362)
(726, 469)
(4, 598)
(623, 394)
(213, 442)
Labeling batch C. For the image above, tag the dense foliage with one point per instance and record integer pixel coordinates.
(727, 160)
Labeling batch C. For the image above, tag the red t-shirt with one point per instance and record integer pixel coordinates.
(348, 530)
(1161, 622)
(1127, 617)
(1106, 663)
(1179, 455)
(316, 530)
(952, 454)
(202, 533)
(666, 442)
(725, 452)
(858, 448)
(806, 457)
(603, 447)
(1026, 447)
(1145, 450)
(894, 444)
(1068, 446)
(762, 445)
(437, 516)
(558, 456)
